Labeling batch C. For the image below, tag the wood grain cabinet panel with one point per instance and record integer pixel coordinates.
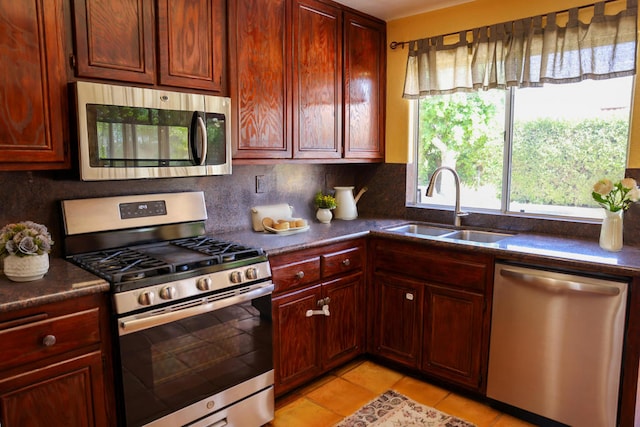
(56, 365)
(317, 80)
(344, 328)
(364, 76)
(297, 354)
(307, 342)
(309, 82)
(432, 310)
(33, 92)
(192, 43)
(115, 39)
(453, 327)
(261, 84)
(69, 393)
(398, 318)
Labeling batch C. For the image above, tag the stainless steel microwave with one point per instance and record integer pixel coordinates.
(133, 133)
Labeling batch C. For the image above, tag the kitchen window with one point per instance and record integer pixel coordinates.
(530, 113)
(524, 151)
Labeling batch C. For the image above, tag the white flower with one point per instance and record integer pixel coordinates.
(629, 183)
(603, 187)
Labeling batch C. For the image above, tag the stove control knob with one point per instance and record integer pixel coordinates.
(168, 292)
(251, 273)
(146, 298)
(236, 277)
(204, 284)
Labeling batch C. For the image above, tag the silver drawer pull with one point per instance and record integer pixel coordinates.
(300, 274)
(346, 262)
(49, 340)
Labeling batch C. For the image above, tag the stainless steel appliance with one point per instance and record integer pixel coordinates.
(130, 133)
(192, 314)
(556, 344)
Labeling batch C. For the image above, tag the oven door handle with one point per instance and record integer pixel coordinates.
(133, 323)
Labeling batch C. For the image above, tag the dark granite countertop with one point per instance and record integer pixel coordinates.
(65, 280)
(523, 247)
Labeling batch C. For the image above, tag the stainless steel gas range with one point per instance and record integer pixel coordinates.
(191, 314)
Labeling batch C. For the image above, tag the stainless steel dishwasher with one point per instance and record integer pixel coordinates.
(556, 344)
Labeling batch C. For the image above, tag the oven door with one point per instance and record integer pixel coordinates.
(183, 362)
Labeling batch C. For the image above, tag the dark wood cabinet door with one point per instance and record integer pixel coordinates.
(317, 80)
(364, 97)
(33, 92)
(344, 327)
(192, 44)
(453, 326)
(115, 39)
(261, 86)
(296, 338)
(68, 393)
(398, 318)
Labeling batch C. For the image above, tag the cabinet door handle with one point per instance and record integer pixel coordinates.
(346, 262)
(323, 312)
(49, 340)
(300, 274)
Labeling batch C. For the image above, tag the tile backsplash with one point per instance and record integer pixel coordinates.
(36, 195)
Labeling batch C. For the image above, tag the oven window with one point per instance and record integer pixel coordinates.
(168, 367)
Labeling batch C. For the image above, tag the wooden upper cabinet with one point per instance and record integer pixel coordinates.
(308, 81)
(364, 76)
(33, 92)
(115, 39)
(192, 43)
(260, 87)
(317, 80)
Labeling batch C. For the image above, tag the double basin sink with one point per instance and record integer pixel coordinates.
(423, 230)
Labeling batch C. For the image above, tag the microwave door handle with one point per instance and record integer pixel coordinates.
(198, 139)
(203, 140)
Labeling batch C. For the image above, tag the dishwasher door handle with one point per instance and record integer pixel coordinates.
(556, 285)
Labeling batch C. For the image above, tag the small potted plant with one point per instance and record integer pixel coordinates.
(325, 203)
(25, 247)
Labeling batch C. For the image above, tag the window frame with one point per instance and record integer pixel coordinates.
(413, 199)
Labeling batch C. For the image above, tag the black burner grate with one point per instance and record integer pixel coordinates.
(121, 265)
(224, 251)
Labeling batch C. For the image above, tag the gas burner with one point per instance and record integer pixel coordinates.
(222, 250)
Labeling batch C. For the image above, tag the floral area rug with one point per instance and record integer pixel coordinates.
(391, 409)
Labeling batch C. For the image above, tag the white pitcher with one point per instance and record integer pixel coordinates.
(346, 203)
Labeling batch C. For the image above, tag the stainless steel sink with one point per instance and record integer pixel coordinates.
(476, 236)
(447, 233)
(421, 229)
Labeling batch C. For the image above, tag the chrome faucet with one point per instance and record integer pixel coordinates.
(432, 183)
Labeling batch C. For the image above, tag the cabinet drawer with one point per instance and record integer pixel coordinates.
(294, 274)
(40, 339)
(342, 261)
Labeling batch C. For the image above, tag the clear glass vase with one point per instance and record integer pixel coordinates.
(611, 231)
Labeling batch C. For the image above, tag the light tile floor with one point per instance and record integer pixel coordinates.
(343, 391)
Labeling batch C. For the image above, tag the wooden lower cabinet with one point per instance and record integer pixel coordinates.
(68, 393)
(452, 331)
(307, 340)
(309, 344)
(431, 310)
(297, 357)
(399, 318)
(55, 365)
